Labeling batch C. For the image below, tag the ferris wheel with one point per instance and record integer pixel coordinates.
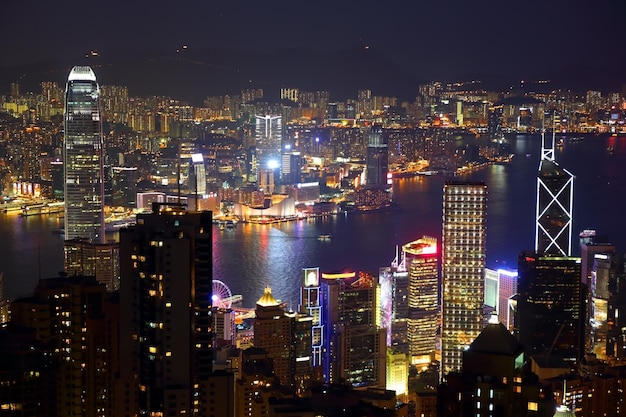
(221, 296)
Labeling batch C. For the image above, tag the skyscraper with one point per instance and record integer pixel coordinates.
(549, 321)
(165, 299)
(463, 268)
(286, 337)
(83, 157)
(377, 159)
(269, 134)
(555, 193)
(311, 304)
(101, 260)
(423, 298)
(354, 344)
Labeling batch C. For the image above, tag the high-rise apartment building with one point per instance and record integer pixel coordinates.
(83, 157)
(423, 266)
(463, 269)
(165, 298)
(555, 197)
(68, 315)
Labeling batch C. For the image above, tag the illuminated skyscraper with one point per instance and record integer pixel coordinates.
(463, 269)
(377, 159)
(555, 193)
(165, 300)
(83, 157)
(500, 286)
(311, 304)
(422, 264)
(354, 343)
(269, 131)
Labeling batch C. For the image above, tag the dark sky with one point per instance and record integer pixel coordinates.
(453, 39)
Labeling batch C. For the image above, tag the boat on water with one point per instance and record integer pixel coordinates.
(324, 238)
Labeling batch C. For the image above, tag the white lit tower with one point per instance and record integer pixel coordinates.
(555, 196)
(83, 158)
(463, 269)
(311, 304)
(269, 132)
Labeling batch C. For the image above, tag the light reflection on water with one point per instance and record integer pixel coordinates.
(251, 256)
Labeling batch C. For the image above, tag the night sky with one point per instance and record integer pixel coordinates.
(574, 42)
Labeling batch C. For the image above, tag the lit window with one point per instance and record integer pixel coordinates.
(532, 406)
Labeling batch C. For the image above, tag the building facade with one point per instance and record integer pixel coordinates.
(463, 269)
(423, 265)
(550, 313)
(165, 298)
(83, 157)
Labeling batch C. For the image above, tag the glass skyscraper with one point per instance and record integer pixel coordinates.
(555, 199)
(83, 158)
(463, 269)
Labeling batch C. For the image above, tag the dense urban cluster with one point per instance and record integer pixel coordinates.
(139, 326)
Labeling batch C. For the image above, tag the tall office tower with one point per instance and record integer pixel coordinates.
(123, 186)
(354, 343)
(311, 305)
(500, 286)
(83, 157)
(291, 167)
(286, 337)
(495, 122)
(101, 260)
(268, 134)
(590, 245)
(377, 159)
(423, 298)
(265, 181)
(550, 308)
(68, 315)
(197, 175)
(606, 329)
(494, 381)
(555, 196)
(463, 269)
(165, 299)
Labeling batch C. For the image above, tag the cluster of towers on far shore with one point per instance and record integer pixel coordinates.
(145, 338)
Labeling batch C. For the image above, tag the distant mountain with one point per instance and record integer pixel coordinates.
(193, 75)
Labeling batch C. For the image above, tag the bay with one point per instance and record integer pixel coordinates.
(250, 256)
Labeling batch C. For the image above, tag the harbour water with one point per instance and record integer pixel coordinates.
(251, 256)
